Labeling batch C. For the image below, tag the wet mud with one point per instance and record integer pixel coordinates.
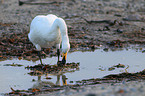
(115, 78)
(90, 23)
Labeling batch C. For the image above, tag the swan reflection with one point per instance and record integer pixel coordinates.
(41, 84)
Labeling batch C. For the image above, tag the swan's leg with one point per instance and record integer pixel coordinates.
(39, 55)
(58, 50)
(64, 80)
(58, 53)
(38, 49)
(58, 80)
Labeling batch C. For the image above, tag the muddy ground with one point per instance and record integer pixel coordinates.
(122, 20)
(91, 24)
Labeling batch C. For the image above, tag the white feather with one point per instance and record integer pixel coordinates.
(47, 31)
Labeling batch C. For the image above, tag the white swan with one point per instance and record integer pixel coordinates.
(47, 31)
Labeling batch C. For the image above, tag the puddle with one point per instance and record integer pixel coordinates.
(92, 65)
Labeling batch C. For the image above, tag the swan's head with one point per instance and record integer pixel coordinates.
(65, 49)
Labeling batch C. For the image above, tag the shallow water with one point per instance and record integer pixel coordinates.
(92, 65)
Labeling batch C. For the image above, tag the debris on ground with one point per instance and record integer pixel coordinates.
(41, 69)
(15, 65)
(117, 66)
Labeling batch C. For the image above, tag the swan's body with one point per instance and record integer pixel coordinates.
(47, 31)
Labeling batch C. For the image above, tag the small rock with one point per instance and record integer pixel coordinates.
(33, 80)
(103, 88)
(111, 69)
(106, 49)
(133, 89)
(121, 23)
(143, 51)
(118, 15)
(121, 91)
(91, 94)
(106, 28)
(99, 29)
(119, 31)
(71, 82)
(48, 78)
(142, 28)
(133, 17)
(119, 66)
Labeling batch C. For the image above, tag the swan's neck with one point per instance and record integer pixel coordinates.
(59, 24)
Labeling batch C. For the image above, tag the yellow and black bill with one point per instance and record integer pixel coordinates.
(64, 56)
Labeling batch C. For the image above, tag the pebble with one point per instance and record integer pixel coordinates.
(106, 49)
(133, 89)
(103, 88)
(133, 17)
(91, 94)
(119, 31)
